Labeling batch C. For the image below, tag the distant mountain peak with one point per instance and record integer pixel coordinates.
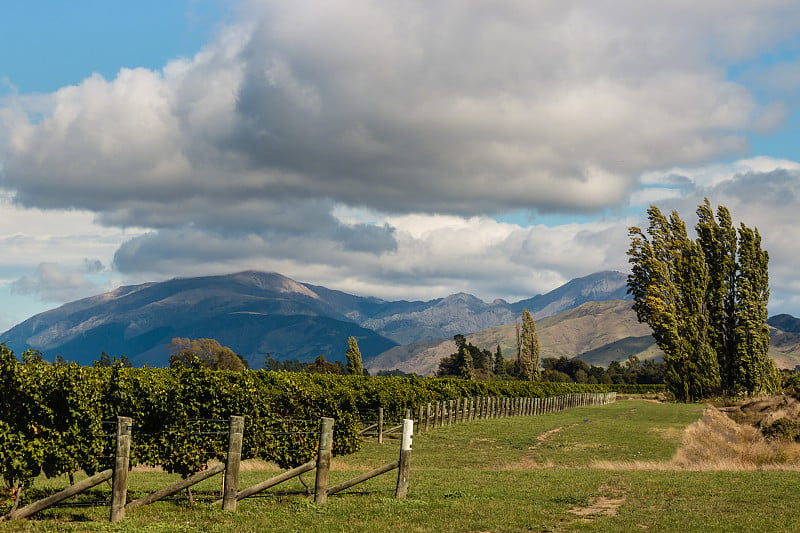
(273, 281)
(256, 313)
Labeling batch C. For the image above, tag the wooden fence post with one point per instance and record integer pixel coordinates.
(232, 462)
(323, 460)
(404, 467)
(450, 413)
(428, 418)
(380, 425)
(119, 484)
(419, 420)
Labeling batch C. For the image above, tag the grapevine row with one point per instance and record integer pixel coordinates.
(53, 418)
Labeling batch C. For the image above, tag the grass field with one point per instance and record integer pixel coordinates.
(515, 474)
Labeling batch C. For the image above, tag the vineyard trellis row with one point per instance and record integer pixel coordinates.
(230, 492)
(52, 415)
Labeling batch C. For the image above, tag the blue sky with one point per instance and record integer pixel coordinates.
(50, 44)
(403, 150)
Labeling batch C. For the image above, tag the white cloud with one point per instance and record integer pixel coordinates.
(760, 192)
(434, 256)
(54, 283)
(451, 107)
(366, 145)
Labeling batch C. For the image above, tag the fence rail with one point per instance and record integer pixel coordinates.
(448, 412)
(431, 415)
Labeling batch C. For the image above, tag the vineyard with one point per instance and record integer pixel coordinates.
(55, 418)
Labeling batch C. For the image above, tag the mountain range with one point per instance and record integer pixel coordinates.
(256, 313)
(596, 332)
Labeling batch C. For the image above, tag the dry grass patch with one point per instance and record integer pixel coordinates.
(547, 434)
(718, 443)
(606, 503)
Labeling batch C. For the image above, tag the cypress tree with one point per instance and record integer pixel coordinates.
(499, 363)
(529, 348)
(354, 365)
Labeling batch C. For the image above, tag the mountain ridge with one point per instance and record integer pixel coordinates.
(269, 313)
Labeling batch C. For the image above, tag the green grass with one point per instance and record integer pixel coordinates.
(492, 475)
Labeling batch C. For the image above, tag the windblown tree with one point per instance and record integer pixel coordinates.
(529, 349)
(354, 365)
(706, 302)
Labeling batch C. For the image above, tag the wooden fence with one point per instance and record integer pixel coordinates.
(230, 492)
(431, 415)
(449, 412)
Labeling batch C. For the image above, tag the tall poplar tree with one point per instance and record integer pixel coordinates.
(706, 301)
(718, 240)
(354, 364)
(529, 348)
(755, 371)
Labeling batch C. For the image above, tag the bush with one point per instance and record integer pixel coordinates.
(783, 428)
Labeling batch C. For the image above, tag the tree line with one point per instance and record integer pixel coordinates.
(471, 362)
(706, 302)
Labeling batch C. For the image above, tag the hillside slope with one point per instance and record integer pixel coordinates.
(256, 313)
(587, 329)
(252, 312)
(596, 332)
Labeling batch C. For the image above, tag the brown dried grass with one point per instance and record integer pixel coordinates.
(718, 443)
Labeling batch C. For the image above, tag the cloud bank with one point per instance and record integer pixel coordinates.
(420, 121)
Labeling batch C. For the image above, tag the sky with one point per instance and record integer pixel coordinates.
(398, 149)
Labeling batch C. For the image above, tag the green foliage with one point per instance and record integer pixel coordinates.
(529, 349)
(632, 372)
(321, 366)
(499, 364)
(469, 362)
(783, 428)
(60, 419)
(208, 352)
(705, 301)
(354, 364)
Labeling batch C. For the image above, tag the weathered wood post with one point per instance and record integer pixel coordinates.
(459, 412)
(404, 466)
(450, 413)
(419, 419)
(323, 460)
(428, 418)
(380, 425)
(232, 462)
(119, 484)
(408, 413)
(70, 491)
